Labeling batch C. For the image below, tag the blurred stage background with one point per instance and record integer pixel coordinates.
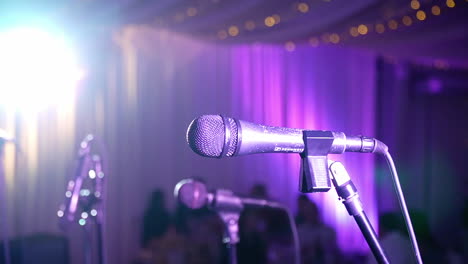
(377, 68)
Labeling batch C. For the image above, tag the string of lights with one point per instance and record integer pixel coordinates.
(417, 11)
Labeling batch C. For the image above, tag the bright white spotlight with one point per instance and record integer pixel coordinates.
(36, 69)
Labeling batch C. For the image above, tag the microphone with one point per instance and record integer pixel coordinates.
(194, 195)
(217, 136)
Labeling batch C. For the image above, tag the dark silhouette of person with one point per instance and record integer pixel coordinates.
(265, 235)
(318, 241)
(253, 224)
(156, 219)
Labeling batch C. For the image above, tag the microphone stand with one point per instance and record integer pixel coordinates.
(348, 194)
(101, 208)
(230, 213)
(231, 236)
(315, 177)
(90, 206)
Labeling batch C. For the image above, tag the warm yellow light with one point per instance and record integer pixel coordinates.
(192, 11)
(380, 28)
(233, 31)
(362, 29)
(277, 18)
(290, 46)
(450, 3)
(415, 4)
(269, 21)
(303, 7)
(222, 34)
(421, 15)
(435, 10)
(249, 25)
(353, 31)
(392, 24)
(334, 38)
(314, 42)
(407, 21)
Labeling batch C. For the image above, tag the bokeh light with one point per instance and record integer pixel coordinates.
(435, 10)
(421, 15)
(269, 21)
(233, 31)
(362, 29)
(303, 7)
(92, 174)
(450, 3)
(415, 4)
(84, 215)
(82, 222)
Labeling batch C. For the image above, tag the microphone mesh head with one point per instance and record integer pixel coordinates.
(191, 193)
(206, 136)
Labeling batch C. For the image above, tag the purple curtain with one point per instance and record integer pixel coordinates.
(165, 80)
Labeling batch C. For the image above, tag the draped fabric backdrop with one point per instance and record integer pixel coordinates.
(156, 82)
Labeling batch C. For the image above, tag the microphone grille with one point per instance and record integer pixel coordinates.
(206, 136)
(191, 193)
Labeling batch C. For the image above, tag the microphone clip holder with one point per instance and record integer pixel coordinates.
(314, 161)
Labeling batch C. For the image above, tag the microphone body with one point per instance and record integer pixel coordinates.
(194, 195)
(218, 136)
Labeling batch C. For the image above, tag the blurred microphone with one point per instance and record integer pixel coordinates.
(194, 195)
(217, 136)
